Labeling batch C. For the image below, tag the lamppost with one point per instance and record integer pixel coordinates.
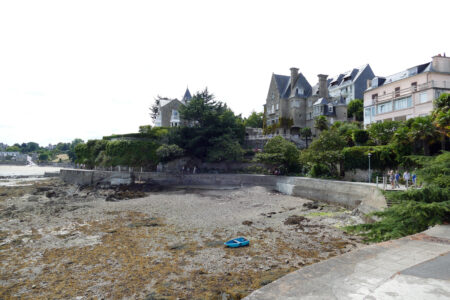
(369, 155)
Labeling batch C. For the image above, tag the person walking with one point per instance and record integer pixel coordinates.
(391, 178)
(397, 179)
(406, 177)
(414, 179)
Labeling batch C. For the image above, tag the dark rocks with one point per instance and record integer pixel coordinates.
(177, 246)
(151, 222)
(248, 223)
(311, 205)
(295, 220)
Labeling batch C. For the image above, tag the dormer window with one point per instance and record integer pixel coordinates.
(330, 108)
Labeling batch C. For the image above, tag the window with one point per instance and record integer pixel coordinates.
(309, 103)
(423, 97)
(414, 86)
(277, 106)
(273, 95)
(374, 97)
(397, 92)
(273, 108)
(330, 108)
(384, 108)
(403, 103)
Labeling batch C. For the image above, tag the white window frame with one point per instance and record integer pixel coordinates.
(423, 97)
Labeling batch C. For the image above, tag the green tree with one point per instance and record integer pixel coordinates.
(203, 109)
(346, 130)
(280, 152)
(306, 134)
(325, 153)
(209, 120)
(360, 136)
(145, 129)
(43, 156)
(441, 114)
(355, 109)
(224, 148)
(255, 120)
(14, 148)
(167, 153)
(321, 123)
(382, 133)
(423, 130)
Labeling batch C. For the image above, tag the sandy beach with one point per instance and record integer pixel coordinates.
(62, 241)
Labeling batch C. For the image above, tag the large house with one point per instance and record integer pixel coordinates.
(168, 110)
(293, 104)
(407, 94)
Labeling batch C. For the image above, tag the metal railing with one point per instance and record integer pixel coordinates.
(410, 90)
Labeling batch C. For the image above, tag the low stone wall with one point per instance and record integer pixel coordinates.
(350, 194)
(13, 162)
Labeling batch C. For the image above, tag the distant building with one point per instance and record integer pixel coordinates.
(168, 111)
(13, 156)
(3, 147)
(293, 104)
(407, 94)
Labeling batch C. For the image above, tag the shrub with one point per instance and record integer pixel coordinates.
(404, 219)
(166, 153)
(282, 152)
(360, 136)
(224, 149)
(382, 157)
(416, 210)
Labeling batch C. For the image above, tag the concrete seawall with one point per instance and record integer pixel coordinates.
(350, 194)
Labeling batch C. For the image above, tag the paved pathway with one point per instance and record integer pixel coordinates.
(414, 267)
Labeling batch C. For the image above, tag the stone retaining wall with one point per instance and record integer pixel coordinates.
(350, 194)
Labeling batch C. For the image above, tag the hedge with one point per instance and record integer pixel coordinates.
(118, 153)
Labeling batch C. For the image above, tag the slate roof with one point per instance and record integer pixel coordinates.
(346, 77)
(284, 85)
(187, 95)
(322, 101)
(406, 73)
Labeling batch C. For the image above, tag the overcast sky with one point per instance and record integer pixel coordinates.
(87, 69)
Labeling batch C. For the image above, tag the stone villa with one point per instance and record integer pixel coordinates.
(168, 111)
(292, 103)
(407, 94)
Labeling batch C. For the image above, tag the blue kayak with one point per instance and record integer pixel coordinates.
(238, 242)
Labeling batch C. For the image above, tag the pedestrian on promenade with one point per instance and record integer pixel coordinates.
(414, 179)
(406, 177)
(391, 178)
(397, 179)
(195, 170)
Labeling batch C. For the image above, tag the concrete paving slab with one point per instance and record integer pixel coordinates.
(414, 267)
(437, 268)
(439, 232)
(412, 288)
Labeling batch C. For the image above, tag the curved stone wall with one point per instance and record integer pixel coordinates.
(350, 194)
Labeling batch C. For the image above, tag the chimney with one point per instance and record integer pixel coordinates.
(294, 75)
(323, 88)
(369, 83)
(440, 64)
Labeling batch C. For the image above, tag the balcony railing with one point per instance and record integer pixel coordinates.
(408, 91)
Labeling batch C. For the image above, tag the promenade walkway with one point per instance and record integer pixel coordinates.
(413, 267)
